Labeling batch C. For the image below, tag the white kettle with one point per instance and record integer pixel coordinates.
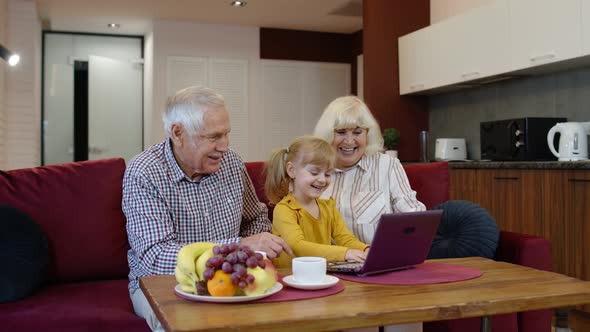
(573, 142)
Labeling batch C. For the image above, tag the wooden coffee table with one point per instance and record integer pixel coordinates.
(503, 288)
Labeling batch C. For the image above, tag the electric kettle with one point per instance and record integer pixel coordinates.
(573, 142)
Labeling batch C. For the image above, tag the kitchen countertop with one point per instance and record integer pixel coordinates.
(582, 165)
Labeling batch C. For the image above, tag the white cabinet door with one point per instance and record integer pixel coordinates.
(418, 67)
(477, 44)
(462, 48)
(544, 31)
(585, 27)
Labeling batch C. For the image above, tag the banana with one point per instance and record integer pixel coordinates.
(187, 256)
(186, 283)
(200, 264)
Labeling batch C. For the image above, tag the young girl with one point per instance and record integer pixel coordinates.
(295, 179)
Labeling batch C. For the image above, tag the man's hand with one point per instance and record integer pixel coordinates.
(271, 244)
(355, 255)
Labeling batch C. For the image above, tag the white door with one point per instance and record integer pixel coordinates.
(114, 108)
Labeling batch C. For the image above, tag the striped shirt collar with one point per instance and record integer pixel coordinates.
(362, 164)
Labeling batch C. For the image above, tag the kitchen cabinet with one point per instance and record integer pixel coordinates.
(497, 40)
(566, 214)
(585, 27)
(475, 44)
(552, 203)
(463, 183)
(460, 49)
(511, 196)
(418, 67)
(544, 31)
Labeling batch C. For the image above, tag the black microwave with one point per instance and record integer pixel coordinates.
(517, 139)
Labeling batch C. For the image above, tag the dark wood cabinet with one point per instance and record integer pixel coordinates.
(511, 196)
(463, 184)
(566, 207)
(553, 203)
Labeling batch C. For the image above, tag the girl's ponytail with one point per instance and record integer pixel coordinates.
(276, 185)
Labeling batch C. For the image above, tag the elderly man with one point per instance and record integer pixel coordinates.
(189, 188)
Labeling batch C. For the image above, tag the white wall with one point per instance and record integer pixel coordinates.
(148, 87)
(284, 99)
(185, 39)
(22, 93)
(442, 9)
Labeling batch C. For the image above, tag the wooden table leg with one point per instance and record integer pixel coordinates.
(486, 324)
(561, 320)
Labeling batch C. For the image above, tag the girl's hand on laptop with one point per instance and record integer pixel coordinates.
(355, 255)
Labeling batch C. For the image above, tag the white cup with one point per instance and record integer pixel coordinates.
(309, 270)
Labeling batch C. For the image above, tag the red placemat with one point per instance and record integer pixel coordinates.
(423, 274)
(292, 294)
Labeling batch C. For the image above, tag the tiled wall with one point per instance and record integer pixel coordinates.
(458, 114)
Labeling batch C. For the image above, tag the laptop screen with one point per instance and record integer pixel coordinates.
(401, 240)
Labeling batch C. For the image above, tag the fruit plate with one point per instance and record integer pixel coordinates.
(226, 299)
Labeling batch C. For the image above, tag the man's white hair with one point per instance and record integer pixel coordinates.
(188, 106)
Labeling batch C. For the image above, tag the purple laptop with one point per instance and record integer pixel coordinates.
(401, 241)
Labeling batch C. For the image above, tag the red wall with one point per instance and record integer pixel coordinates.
(383, 22)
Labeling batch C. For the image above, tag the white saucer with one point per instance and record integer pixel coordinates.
(328, 281)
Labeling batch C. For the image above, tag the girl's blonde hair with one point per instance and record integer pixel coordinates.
(346, 113)
(303, 150)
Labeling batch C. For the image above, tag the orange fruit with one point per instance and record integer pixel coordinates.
(221, 285)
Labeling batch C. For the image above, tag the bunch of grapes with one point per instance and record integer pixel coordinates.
(234, 259)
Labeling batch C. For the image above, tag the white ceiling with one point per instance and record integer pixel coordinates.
(135, 16)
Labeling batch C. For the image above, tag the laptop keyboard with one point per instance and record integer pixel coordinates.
(345, 267)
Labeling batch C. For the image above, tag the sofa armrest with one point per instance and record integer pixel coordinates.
(526, 250)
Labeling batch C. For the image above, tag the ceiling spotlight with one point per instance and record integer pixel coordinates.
(114, 25)
(238, 3)
(8, 56)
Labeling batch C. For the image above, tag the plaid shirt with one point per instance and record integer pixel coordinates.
(165, 209)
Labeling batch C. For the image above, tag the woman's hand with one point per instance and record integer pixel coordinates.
(355, 255)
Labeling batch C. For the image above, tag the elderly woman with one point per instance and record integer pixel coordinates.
(367, 183)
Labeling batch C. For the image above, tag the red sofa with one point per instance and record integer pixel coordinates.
(78, 206)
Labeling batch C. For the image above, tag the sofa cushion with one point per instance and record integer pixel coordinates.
(255, 170)
(86, 306)
(465, 230)
(23, 253)
(78, 206)
(423, 175)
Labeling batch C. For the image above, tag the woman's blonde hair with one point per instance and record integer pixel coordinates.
(304, 150)
(346, 113)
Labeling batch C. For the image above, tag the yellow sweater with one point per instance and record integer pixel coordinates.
(308, 236)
